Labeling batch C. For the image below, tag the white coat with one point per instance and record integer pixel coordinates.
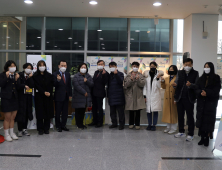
(153, 96)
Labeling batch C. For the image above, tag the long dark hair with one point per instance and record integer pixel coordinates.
(174, 68)
(38, 64)
(8, 64)
(211, 75)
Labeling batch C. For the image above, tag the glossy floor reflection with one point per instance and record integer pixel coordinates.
(105, 149)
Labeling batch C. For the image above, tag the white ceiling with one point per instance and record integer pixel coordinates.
(108, 8)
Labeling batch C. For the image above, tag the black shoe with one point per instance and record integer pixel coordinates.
(113, 126)
(92, 124)
(59, 130)
(84, 127)
(46, 131)
(201, 141)
(41, 132)
(206, 141)
(149, 127)
(153, 128)
(98, 125)
(121, 127)
(65, 128)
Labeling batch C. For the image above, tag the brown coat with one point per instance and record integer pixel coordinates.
(134, 93)
(169, 108)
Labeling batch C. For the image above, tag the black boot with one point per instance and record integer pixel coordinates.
(206, 141)
(201, 141)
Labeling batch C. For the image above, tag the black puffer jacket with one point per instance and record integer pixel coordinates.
(207, 106)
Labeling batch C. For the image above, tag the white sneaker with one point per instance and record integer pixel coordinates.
(189, 138)
(26, 133)
(131, 126)
(20, 134)
(180, 135)
(8, 138)
(14, 137)
(171, 132)
(166, 130)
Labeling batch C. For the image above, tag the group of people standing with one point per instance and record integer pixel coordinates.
(133, 93)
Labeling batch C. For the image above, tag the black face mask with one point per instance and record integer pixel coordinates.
(171, 73)
(153, 69)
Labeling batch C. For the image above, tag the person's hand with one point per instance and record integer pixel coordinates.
(174, 84)
(47, 94)
(16, 76)
(30, 75)
(188, 84)
(70, 97)
(162, 79)
(85, 79)
(131, 77)
(7, 74)
(175, 102)
(137, 77)
(104, 71)
(59, 77)
(27, 88)
(115, 72)
(203, 93)
(159, 75)
(86, 94)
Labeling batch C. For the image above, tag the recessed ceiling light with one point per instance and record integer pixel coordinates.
(60, 29)
(55, 46)
(38, 37)
(80, 46)
(28, 1)
(157, 4)
(131, 38)
(70, 38)
(75, 42)
(101, 38)
(103, 48)
(99, 30)
(137, 30)
(4, 25)
(102, 44)
(148, 32)
(47, 42)
(93, 2)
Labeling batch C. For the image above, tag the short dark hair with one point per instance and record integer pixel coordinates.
(100, 61)
(62, 61)
(136, 63)
(26, 65)
(174, 68)
(8, 64)
(81, 66)
(154, 63)
(188, 60)
(112, 64)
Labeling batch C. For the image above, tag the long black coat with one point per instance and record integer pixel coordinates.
(80, 88)
(25, 100)
(43, 104)
(207, 106)
(115, 89)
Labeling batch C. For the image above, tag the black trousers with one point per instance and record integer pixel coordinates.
(23, 125)
(113, 114)
(79, 115)
(61, 108)
(97, 110)
(185, 105)
(134, 119)
(43, 124)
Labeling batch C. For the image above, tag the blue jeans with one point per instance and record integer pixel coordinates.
(152, 117)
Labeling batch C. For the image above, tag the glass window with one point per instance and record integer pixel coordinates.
(107, 34)
(148, 36)
(178, 61)
(219, 47)
(178, 26)
(73, 60)
(34, 32)
(65, 33)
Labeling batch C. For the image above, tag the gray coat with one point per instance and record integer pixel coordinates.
(80, 88)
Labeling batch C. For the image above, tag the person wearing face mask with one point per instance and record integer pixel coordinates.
(208, 93)
(170, 115)
(152, 94)
(185, 98)
(9, 81)
(116, 96)
(133, 86)
(62, 94)
(25, 99)
(43, 97)
(81, 99)
(100, 80)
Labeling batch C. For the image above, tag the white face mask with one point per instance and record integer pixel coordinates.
(112, 69)
(83, 70)
(207, 70)
(42, 68)
(187, 68)
(62, 69)
(28, 71)
(100, 67)
(135, 69)
(12, 69)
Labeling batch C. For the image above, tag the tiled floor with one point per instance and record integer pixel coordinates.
(105, 149)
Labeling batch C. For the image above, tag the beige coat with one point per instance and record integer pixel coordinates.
(169, 108)
(134, 92)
